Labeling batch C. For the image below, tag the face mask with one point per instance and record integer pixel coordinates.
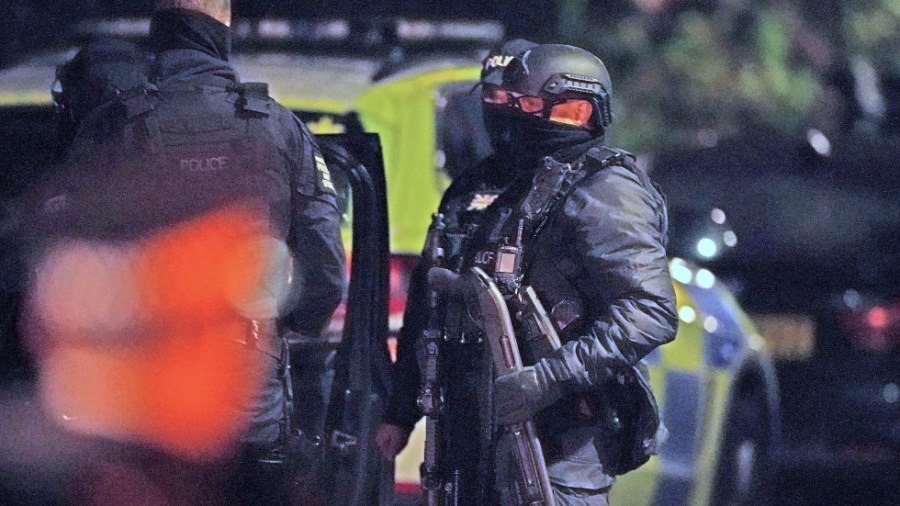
(524, 139)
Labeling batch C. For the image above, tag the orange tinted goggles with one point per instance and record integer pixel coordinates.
(559, 111)
(500, 96)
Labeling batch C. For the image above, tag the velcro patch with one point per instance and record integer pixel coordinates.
(325, 182)
(481, 201)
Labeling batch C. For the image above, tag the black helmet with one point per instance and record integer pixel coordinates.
(499, 58)
(553, 72)
(97, 74)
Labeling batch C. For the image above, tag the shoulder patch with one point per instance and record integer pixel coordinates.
(323, 175)
(481, 201)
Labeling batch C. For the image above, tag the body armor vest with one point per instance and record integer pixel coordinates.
(492, 229)
(157, 156)
(497, 239)
(186, 151)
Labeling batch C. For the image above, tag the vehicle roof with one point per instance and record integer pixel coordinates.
(299, 81)
(317, 64)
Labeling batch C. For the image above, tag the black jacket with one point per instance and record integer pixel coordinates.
(599, 266)
(271, 157)
(190, 49)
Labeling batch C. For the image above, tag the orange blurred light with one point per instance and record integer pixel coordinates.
(392, 348)
(145, 342)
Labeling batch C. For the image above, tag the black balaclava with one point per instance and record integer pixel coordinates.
(523, 139)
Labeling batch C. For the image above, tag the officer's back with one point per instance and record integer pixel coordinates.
(190, 141)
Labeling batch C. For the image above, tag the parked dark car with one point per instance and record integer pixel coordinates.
(815, 258)
(841, 406)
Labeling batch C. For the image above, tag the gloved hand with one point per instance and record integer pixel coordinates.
(518, 396)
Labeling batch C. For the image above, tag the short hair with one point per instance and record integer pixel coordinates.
(219, 9)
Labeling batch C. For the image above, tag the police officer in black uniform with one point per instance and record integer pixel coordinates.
(192, 138)
(590, 229)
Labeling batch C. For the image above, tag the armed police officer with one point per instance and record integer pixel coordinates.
(192, 44)
(180, 138)
(557, 213)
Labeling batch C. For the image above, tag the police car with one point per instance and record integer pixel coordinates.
(716, 387)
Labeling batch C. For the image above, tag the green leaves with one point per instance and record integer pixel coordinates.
(677, 75)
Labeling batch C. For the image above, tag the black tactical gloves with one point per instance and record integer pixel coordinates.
(518, 396)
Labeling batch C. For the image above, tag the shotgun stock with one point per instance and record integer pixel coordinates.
(487, 305)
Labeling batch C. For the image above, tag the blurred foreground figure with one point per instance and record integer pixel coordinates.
(569, 237)
(191, 227)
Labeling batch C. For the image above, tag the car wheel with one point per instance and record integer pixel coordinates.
(742, 476)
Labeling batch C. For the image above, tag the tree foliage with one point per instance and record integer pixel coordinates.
(692, 72)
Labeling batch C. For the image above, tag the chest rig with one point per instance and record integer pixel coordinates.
(498, 238)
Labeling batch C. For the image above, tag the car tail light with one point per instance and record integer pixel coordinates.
(863, 452)
(407, 491)
(401, 271)
(875, 328)
(401, 267)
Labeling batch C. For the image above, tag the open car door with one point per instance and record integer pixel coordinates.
(350, 471)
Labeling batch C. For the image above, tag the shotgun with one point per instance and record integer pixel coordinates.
(488, 307)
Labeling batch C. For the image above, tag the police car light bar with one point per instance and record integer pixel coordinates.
(424, 30)
(332, 31)
(268, 29)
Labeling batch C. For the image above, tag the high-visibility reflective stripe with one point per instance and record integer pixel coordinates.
(717, 384)
(685, 352)
(682, 414)
(636, 488)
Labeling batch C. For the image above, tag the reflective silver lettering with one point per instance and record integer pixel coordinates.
(212, 164)
(484, 257)
(497, 61)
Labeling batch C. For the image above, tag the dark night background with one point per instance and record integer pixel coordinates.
(729, 101)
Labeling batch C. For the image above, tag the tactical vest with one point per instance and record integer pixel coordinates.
(497, 228)
(179, 152)
(157, 156)
(498, 239)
